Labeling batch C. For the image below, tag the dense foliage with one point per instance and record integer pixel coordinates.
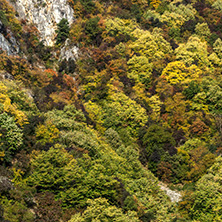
(90, 139)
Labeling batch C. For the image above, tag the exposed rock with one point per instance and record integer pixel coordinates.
(173, 195)
(5, 184)
(5, 75)
(45, 14)
(69, 52)
(9, 45)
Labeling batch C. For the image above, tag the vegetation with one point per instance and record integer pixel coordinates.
(90, 140)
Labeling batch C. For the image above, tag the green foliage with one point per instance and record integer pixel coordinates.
(58, 172)
(53, 170)
(176, 15)
(100, 210)
(218, 5)
(62, 31)
(119, 112)
(192, 89)
(202, 30)
(3, 18)
(194, 52)
(151, 45)
(147, 90)
(157, 141)
(16, 211)
(92, 28)
(205, 202)
(120, 27)
(140, 69)
(11, 136)
(47, 133)
(88, 5)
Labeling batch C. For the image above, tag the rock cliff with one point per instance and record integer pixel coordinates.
(44, 14)
(8, 44)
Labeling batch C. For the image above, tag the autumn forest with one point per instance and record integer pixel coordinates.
(92, 138)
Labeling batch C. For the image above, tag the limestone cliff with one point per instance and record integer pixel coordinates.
(44, 14)
(7, 41)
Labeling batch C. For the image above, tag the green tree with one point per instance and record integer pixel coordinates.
(140, 69)
(192, 89)
(206, 201)
(157, 141)
(100, 210)
(54, 170)
(62, 31)
(203, 30)
(11, 136)
(194, 52)
(92, 28)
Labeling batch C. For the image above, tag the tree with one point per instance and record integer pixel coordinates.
(100, 210)
(177, 72)
(151, 45)
(205, 202)
(194, 52)
(11, 136)
(118, 112)
(157, 141)
(177, 14)
(203, 30)
(53, 170)
(92, 28)
(62, 31)
(192, 89)
(140, 69)
(47, 209)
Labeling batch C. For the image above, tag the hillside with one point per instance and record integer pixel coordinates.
(110, 110)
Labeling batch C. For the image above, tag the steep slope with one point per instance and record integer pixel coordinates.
(45, 15)
(103, 99)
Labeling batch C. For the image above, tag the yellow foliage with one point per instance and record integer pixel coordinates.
(155, 105)
(20, 116)
(140, 94)
(95, 113)
(47, 133)
(2, 153)
(139, 68)
(183, 153)
(143, 3)
(17, 176)
(155, 3)
(177, 72)
(76, 30)
(194, 52)
(152, 45)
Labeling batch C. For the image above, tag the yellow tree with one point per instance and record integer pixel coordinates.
(194, 52)
(177, 72)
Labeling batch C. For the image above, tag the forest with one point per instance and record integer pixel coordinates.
(91, 139)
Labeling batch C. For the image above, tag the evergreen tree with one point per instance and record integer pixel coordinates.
(62, 31)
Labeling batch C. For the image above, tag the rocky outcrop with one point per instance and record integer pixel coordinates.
(69, 52)
(44, 14)
(8, 44)
(5, 75)
(173, 195)
(5, 184)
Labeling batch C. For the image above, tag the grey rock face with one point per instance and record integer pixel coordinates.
(5, 184)
(173, 195)
(45, 14)
(5, 75)
(69, 52)
(9, 45)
